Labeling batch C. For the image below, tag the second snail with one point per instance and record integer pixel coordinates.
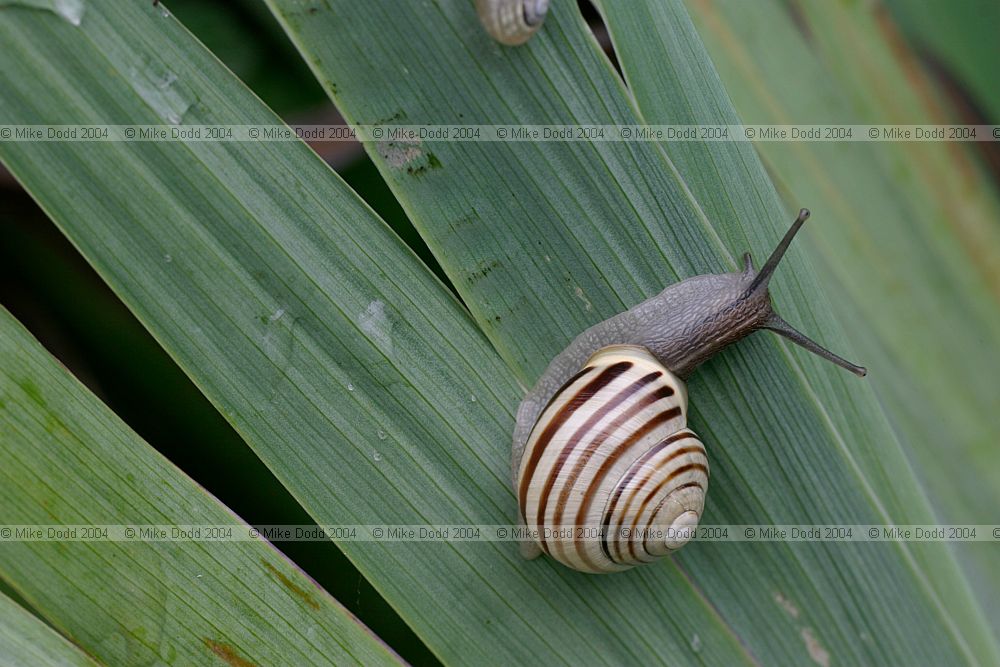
(512, 22)
(601, 442)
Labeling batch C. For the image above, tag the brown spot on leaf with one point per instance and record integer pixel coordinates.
(818, 654)
(481, 270)
(389, 119)
(300, 592)
(404, 150)
(799, 19)
(786, 604)
(227, 653)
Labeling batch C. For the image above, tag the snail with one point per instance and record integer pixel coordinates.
(601, 445)
(512, 22)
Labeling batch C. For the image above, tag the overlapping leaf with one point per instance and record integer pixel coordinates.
(373, 396)
(66, 459)
(540, 245)
(25, 640)
(912, 257)
(352, 372)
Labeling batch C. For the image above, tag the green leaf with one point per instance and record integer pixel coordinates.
(912, 254)
(350, 369)
(732, 181)
(959, 38)
(314, 330)
(66, 459)
(25, 640)
(544, 239)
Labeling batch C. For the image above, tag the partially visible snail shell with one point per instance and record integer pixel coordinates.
(611, 452)
(512, 22)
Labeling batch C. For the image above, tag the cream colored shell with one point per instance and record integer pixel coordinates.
(512, 22)
(611, 477)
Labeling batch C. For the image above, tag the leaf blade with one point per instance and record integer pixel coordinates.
(651, 41)
(922, 269)
(407, 52)
(25, 640)
(262, 275)
(144, 600)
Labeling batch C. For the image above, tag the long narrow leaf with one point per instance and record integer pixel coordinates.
(913, 256)
(66, 459)
(542, 239)
(651, 40)
(25, 640)
(353, 373)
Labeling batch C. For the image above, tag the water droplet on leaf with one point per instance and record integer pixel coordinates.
(158, 87)
(69, 10)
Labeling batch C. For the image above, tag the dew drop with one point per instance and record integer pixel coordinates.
(473, 398)
(167, 258)
(375, 322)
(382, 435)
(274, 317)
(167, 81)
(157, 86)
(376, 455)
(696, 643)
(350, 386)
(69, 10)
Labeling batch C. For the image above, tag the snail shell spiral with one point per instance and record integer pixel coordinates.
(611, 453)
(512, 22)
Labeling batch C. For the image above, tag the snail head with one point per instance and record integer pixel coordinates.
(758, 296)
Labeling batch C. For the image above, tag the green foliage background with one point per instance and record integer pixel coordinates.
(300, 347)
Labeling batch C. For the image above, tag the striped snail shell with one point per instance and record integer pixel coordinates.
(605, 452)
(612, 449)
(512, 22)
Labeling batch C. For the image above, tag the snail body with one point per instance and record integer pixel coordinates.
(601, 441)
(512, 22)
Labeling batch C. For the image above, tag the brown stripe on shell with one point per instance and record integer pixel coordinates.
(608, 404)
(633, 470)
(656, 510)
(565, 412)
(569, 383)
(680, 471)
(650, 473)
(587, 498)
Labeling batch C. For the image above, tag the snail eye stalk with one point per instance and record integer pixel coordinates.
(783, 328)
(764, 276)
